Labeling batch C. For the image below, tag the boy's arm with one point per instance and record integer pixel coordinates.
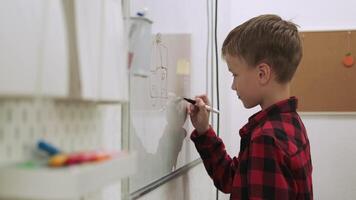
(266, 176)
(220, 167)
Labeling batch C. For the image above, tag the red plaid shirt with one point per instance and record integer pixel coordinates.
(274, 160)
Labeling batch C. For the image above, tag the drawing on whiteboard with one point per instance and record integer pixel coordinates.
(158, 83)
(158, 78)
(158, 125)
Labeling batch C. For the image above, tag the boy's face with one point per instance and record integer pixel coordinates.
(245, 81)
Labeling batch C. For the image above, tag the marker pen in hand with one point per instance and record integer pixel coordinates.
(211, 109)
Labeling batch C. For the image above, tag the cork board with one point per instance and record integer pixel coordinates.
(322, 83)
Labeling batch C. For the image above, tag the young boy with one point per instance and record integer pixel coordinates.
(274, 161)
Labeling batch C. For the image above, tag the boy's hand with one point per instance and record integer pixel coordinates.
(199, 115)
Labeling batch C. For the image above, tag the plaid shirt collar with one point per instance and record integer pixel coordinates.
(284, 106)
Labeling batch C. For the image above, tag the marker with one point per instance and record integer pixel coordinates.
(211, 109)
(48, 148)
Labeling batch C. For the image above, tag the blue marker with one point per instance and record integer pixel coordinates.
(49, 148)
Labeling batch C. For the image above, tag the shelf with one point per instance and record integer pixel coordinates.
(63, 183)
(87, 101)
(61, 99)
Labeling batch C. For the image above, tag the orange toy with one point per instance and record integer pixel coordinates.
(58, 160)
(348, 60)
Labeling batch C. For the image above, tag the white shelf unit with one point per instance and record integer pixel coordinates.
(63, 183)
(63, 49)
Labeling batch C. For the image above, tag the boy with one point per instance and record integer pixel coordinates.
(274, 160)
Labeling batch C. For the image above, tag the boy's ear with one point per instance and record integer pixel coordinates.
(264, 71)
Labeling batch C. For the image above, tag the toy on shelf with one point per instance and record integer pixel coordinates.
(59, 159)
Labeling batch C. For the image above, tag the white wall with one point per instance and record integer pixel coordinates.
(310, 15)
(333, 143)
(332, 137)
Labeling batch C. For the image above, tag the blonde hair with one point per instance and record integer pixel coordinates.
(269, 39)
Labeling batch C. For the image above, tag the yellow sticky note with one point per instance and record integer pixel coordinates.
(183, 67)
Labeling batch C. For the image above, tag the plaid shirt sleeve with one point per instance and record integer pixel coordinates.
(264, 174)
(219, 165)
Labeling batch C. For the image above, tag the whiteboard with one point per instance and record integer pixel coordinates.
(159, 127)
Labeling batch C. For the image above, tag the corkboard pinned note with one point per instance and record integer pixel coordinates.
(322, 82)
